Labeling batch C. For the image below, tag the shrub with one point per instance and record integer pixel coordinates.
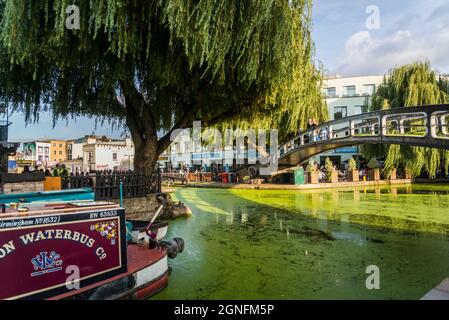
(373, 163)
(329, 166)
(352, 165)
(311, 167)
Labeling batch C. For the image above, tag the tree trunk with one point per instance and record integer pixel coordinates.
(142, 126)
(145, 157)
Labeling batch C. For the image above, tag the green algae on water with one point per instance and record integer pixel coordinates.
(264, 244)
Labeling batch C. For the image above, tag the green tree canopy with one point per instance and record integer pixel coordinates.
(410, 85)
(159, 64)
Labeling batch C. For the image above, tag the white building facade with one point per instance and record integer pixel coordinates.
(347, 96)
(181, 155)
(108, 155)
(36, 151)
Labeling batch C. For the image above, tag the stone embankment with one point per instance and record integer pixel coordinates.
(269, 186)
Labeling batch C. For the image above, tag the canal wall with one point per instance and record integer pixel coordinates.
(142, 208)
(267, 186)
(22, 187)
(270, 186)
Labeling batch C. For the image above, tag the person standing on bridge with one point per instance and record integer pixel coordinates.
(324, 133)
(316, 135)
(310, 124)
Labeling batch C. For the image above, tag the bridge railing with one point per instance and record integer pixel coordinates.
(440, 124)
(416, 122)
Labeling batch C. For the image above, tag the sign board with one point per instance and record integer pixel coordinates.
(347, 150)
(40, 255)
(299, 176)
(29, 151)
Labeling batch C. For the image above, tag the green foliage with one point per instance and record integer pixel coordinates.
(410, 85)
(311, 167)
(373, 163)
(352, 165)
(234, 63)
(329, 167)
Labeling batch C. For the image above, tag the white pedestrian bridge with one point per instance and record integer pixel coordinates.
(425, 126)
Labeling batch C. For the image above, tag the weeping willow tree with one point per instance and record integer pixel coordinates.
(156, 65)
(410, 85)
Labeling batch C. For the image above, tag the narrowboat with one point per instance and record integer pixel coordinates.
(49, 196)
(80, 249)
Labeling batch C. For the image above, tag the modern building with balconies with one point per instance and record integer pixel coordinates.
(347, 96)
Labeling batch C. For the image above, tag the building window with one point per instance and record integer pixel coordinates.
(368, 89)
(39, 149)
(60, 145)
(39, 158)
(54, 144)
(60, 152)
(331, 92)
(360, 109)
(114, 156)
(47, 150)
(340, 112)
(349, 91)
(54, 152)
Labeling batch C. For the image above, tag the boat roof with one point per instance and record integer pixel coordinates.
(44, 209)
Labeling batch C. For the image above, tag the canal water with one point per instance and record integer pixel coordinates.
(263, 244)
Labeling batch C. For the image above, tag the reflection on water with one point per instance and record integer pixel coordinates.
(259, 244)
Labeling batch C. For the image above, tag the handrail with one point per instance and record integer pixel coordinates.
(377, 128)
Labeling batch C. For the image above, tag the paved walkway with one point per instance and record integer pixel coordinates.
(441, 292)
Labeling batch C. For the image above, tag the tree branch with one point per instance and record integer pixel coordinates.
(230, 113)
(165, 141)
(136, 106)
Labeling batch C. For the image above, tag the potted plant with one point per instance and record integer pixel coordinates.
(374, 172)
(408, 173)
(331, 173)
(353, 172)
(312, 173)
(393, 174)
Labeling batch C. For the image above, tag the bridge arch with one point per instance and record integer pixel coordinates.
(424, 126)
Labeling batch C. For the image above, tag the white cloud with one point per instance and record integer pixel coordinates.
(375, 53)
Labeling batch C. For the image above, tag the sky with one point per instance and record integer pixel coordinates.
(352, 37)
(407, 30)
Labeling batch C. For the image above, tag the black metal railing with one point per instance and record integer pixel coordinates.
(106, 184)
(77, 180)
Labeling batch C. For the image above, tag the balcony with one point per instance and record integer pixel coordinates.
(343, 94)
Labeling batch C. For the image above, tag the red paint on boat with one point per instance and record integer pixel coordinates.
(138, 259)
(151, 289)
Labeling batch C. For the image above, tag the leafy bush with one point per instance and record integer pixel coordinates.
(329, 166)
(352, 165)
(311, 167)
(373, 163)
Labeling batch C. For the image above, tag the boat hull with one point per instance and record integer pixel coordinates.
(147, 275)
(53, 250)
